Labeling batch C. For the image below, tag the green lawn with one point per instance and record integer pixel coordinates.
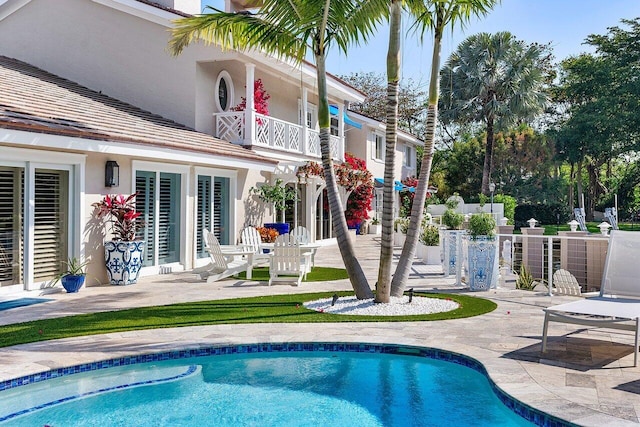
(552, 230)
(266, 309)
(317, 274)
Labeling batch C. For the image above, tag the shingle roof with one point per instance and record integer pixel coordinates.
(34, 100)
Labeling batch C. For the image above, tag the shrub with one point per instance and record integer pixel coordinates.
(452, 220)
(482, 224)
(430, 235)
(549, 213)
(509, 204)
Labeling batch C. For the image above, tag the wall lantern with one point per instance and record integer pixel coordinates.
(111, 174)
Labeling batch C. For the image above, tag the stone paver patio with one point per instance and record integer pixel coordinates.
(586, 377)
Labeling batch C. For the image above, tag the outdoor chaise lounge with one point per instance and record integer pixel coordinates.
(618, 305)
(223, 264)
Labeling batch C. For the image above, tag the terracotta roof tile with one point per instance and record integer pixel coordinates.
(34, 100)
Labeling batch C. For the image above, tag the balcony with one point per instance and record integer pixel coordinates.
(274, 134)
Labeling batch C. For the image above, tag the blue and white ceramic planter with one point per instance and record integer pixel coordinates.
(481, 262)
(123, 260)
(451, 241)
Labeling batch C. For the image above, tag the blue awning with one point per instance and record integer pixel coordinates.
(398, 186)
(333, 109)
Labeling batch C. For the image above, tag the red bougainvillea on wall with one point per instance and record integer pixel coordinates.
(353, 176)
(260, 99)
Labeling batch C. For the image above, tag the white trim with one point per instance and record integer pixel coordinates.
(141, 10)
(11, 7)
(224, 75)
(42, 140)
(225, 173)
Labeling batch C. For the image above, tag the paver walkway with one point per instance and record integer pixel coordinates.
(587, 376)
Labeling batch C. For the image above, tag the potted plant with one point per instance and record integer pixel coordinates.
(451, 237)
(482, 252)
(73, 277)
(267, 235)
(277, 194)
(430, 238)
(123, 254)
(400, 225)
(375, 227)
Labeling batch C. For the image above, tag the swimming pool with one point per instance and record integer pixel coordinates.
(269, 384)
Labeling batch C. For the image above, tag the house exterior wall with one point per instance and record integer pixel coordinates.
(126, 57)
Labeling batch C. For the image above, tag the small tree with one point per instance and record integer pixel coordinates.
(278, 194)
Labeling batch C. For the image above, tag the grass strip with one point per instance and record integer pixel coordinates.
(265, 309)
(317, 274)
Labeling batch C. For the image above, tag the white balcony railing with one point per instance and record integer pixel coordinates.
(273, 133)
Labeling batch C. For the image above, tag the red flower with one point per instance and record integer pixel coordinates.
(121, 212)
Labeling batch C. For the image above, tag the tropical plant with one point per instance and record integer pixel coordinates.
(482, 224)
(525, 280)
(291, 29)
(120, 212)
(278, 194)
(433, 16)
(494, 79)
(430, 235)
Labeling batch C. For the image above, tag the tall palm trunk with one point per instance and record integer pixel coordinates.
(572, 181)
(417, 210)
(354, 270)
(488, 157)
(383, 287)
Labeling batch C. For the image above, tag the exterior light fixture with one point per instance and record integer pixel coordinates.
(111, 174)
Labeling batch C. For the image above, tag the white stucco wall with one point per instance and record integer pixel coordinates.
(126, 57)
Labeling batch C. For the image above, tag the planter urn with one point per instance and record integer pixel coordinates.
(123, 260)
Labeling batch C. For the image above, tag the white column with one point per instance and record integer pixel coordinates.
(250, 110)
(305, 132)
(341, 144)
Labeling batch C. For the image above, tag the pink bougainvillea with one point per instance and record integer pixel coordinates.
(260, 99)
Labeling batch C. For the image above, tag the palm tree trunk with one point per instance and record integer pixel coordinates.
(383, 287)
(417, 210)
(572, 181)
(354, 270)
(488, 157)
(579, 185)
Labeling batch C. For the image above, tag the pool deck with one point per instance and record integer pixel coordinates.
(586, 376)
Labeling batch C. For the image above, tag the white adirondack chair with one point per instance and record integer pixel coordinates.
(221, 265)
(250, 237)
(302, 236)
(287, 263)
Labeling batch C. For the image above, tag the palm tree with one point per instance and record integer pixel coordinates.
(434, 15)
(290, 29)
(383, 286)
(494, 79)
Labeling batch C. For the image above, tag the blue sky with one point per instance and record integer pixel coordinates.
(563, 23)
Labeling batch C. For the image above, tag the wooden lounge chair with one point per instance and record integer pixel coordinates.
(565, 283)
(222, 265)
(287, 263)
(250, 237)
(618, 305)
(303, 237)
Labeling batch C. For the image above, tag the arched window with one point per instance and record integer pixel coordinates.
(224, 91)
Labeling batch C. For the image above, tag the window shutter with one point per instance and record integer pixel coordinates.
(204, 212)
(50, 223)
(11, 225)
(145, 203)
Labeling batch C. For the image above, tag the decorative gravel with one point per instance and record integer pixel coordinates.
(399, 306)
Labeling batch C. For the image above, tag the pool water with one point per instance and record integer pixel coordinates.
(268, 389)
